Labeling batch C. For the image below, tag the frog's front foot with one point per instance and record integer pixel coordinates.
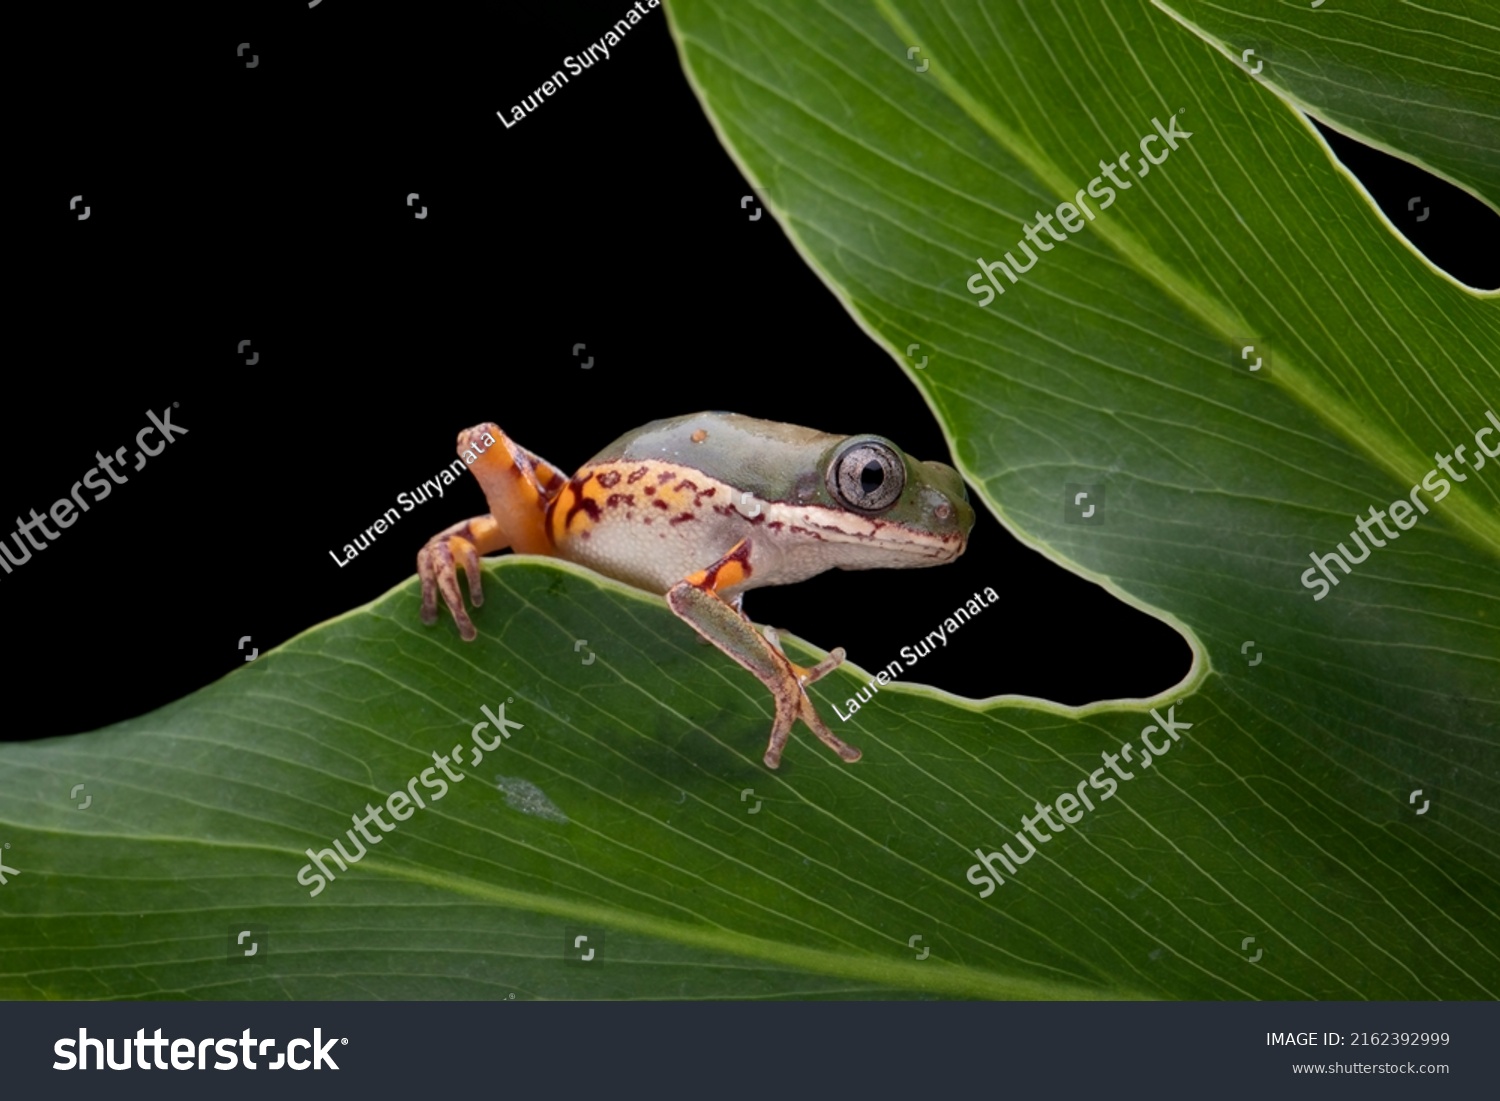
(437, 566)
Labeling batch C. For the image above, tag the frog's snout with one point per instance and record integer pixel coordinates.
(950, 506)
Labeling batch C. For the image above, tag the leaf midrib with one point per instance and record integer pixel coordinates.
(931, 976)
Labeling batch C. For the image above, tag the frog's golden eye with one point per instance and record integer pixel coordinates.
(867, 476)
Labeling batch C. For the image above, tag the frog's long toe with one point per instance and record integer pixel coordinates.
(834, 659)
(437, 566)
(815, 722)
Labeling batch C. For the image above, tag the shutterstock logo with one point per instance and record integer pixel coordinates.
(65, 511)
(1070, 215)
(185, 1054)
(1071, 805)
(1402, 514)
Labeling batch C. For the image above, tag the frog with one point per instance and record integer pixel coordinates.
(700, 509)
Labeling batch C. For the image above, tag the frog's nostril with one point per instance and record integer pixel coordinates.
(943, 511)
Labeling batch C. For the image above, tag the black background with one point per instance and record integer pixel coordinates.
(268, 205)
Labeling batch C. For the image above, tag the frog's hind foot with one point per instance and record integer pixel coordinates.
(697, 600)
(793, 703)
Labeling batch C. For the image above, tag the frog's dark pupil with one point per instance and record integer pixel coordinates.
(871, 477)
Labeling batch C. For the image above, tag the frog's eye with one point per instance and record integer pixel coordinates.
(867, 476)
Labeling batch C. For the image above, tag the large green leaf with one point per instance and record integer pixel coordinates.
(900, 142)
(1284, 813)
(616, 808)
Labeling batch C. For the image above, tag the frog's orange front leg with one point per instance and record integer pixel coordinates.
(517, 486)
(696, 599)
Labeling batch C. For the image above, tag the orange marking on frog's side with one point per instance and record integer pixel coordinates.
(733, 570)
(732, 573)
(580, 495)
(557, 514)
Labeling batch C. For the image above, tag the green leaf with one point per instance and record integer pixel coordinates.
(615, 809)
(1419, 81)
(1284, 813)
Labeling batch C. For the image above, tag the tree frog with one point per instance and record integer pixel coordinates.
(702, 509)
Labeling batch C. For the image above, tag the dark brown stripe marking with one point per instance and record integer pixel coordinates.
(580, 502)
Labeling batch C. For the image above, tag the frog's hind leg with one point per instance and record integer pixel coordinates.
(518, 486)
(696, 599)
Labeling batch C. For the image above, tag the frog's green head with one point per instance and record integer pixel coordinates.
(821, 501)
(901, 509)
